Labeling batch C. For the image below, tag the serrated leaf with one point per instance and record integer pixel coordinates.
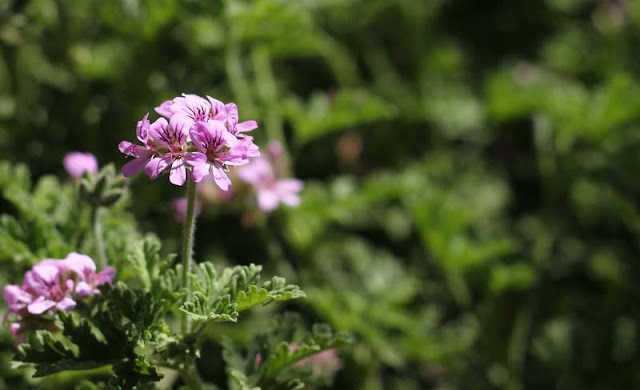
(219, 297)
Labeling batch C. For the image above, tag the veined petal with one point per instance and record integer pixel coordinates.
(181, 124)
(134, 166)
(157, 131)
(157, 165)
(165, 109)
(243, 127)
(128, 148)
(45, 273)
(235, 156)
(178, 172)
(221, 178)
(199, 165)
(232, 117)
(219, 111)
(142, 129)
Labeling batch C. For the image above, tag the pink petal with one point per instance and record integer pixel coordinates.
(182, 124)
(127, 148)
(243, 127)
(77, 163)
(157, 165)
(16, 327)
(232, 116)
(45, 273)
(221, 178)
(83, 289)
(142, 129)
(178, 172)
(258, 171)
(16, 297)
(105, 276)
(164, 109)
(275, 150)
(157, 131)
(199, 165)
(267, 200)
(66, 304)
(134, 166)
(220, 113)
(81, 265)
(40, 305)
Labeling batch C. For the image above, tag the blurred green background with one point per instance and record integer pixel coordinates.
(471, 204)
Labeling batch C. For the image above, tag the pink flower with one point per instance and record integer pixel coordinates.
(163, 144)
(53, 285)
(270, 191)
(197, 136)
(217, 149)
(85, 274)
(77, 163)
(170, 138)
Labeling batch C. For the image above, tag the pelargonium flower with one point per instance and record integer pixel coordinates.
(53, 285)
(270, 190)
(197, 136)
(217, 148)
(77, 163)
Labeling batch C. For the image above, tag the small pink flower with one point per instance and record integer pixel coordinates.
(216, 150)
(53, 285)
(270, 190)
(77, 163)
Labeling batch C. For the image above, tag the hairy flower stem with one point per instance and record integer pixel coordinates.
(97, 232)
(187, 249)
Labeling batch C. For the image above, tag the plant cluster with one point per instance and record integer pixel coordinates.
(470, 206)
(68, 316)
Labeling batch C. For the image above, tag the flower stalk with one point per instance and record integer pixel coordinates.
(187, 249)
(99, 236)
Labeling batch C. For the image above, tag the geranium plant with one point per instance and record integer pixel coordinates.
(138, 315)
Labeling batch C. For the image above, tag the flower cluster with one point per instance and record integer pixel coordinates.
(195, 137)
(264, 176)
(53, 285)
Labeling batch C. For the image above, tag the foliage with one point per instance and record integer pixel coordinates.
(470, 211)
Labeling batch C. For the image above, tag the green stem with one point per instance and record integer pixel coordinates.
(191, 377)
(97, 232)
(187, 249)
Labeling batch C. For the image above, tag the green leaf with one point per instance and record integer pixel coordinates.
(219, 297)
